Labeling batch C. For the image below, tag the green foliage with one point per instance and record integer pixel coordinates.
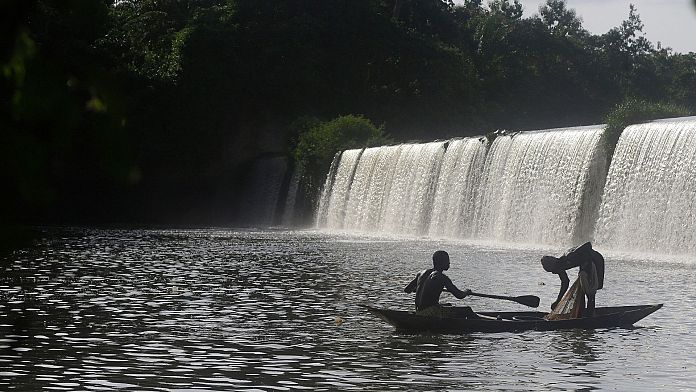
(318, 142)
(561, 20)
(213, 84)
(506, 9)
(148, 35)
(633, 111)
(321, 140)
(59, 112)
(629, 36)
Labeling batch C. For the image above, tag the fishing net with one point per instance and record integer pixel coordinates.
(571, 305)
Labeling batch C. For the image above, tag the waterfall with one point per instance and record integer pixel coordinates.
(406, 208)
(388, 189)
(332, 206)
(536, 185)
(649, 202)
(457, 188)
(370, 188)
(326, 191)
(542, 187)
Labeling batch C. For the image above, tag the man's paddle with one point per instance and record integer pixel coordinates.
(529, 300)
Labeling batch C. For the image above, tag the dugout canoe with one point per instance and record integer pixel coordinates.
(606, 317)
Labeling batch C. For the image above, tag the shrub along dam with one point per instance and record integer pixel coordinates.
(556, 187)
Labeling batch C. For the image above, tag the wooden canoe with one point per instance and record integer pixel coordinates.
(607, 317)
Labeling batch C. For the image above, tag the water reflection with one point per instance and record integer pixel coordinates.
(223, 310)
(585, 345)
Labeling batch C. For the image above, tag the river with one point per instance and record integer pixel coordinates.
(274, 310)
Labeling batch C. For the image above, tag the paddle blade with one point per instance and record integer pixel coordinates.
(529, 300)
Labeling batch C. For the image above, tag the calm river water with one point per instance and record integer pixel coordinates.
(212, 309)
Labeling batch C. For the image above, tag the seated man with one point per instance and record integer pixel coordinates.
(590, 279)
(428, 285)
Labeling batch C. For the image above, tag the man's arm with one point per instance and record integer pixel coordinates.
(449, 286)
(411, 287)
(598, 260)
(565, 282)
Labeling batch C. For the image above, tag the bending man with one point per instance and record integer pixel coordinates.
(590, 279)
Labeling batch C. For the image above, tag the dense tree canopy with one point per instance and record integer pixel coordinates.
(157, 105)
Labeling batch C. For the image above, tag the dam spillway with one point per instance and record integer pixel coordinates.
(388, 189)
(537, 187)
(550, 187)
(649, 201)
(456, 189)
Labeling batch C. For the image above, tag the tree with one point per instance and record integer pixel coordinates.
(506, 9)
(629, 38)
(61, 111)
(213, 84)
(318, 142)
(560, 20)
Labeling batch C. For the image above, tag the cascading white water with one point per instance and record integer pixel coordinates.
(387, 189)
(540, 187)
(412, 185)
(457, 186)
(332, 205)
(323, 205)
(537, 186)
(649, 202)
(370, 189)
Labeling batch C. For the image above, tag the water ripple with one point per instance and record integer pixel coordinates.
(259, 310)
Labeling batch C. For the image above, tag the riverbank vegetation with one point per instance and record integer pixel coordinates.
(318, 142)
(150, 110)
(633, 111)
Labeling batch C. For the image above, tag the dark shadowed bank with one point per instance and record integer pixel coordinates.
(229, 112)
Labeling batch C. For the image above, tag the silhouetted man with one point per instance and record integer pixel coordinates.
(590, 276)
(430, 283)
